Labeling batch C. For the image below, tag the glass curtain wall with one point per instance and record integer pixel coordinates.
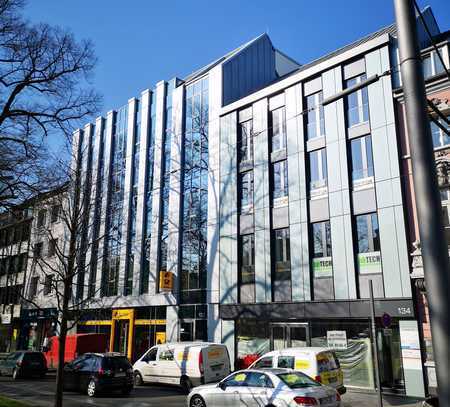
(145, 273)
(195, 195)
(114, 219)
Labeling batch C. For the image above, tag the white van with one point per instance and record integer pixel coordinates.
(319, 363)
(187, 364)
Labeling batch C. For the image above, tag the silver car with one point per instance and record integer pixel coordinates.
(264, 388)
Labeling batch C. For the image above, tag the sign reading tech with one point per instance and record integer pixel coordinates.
(369, 263)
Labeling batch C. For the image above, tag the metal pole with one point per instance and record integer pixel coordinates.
(433, 243)
(375, 345)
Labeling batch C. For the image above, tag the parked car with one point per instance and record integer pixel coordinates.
(265, 387)
(185, 364)
(23, 364)
(76, 345)
(96, 372)
(321, 364)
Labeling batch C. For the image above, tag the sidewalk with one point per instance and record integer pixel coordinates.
(353, 399)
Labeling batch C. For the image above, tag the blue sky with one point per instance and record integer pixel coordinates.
(139, 42)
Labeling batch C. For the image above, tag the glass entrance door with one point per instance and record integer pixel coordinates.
(286, 335)
(121, 336)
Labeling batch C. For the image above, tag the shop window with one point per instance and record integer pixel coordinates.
(245, 141)
(281, 276)
(278, 126)
(362, 161)
(357, 102)
(315, 123)
(252, 341)
(318, 172)
(247, 269)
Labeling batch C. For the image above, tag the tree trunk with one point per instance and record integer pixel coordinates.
(60, 370)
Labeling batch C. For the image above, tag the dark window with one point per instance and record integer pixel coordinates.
(247, 269)
(255, 379)
(281, 265)
(41, 218)
(318, 171)
(37, 251)
(48, 284)
(286, 362)
(55, 213)
(367, 233)
(357, 102)
(116, 363)
(52, 243)
(362, 161)
(245, 141)
(315, 123)
(151, 355)
(278, 120)
(33, 286)
(280, 179)
(246, 190)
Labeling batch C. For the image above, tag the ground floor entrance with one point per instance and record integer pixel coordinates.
(288, 335)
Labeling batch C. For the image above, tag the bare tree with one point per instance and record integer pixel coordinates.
(44, 92)
(65, 271)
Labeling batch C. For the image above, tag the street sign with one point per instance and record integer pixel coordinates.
(386, 319)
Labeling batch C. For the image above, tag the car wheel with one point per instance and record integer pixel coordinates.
(15, 374)
(127, 390)
(197, 401)
(138, 379)
(186, 384)
(91, 388)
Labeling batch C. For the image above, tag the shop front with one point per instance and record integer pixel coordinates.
(35, 326)
(131, 331)
(260, 328)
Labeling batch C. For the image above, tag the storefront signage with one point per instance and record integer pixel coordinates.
(122, 313)
(369, 263)
(323, 267)
(165, 280)
(35, 314)
(337, 339)
(6, 318)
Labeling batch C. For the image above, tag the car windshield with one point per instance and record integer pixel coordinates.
(296, 380)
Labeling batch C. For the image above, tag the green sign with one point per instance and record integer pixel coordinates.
(323, 267)
(369, 263)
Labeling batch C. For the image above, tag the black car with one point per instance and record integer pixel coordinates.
(23, 364)
(97, 372)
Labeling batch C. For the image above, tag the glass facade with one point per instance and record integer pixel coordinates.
(278, 126)
(148, 192)
(318, 172)
(357, 102)
(280, 180)
(195, 195)
(246, 191)
(322, 261)
(440, 138)
(245, 141)
(114, 221)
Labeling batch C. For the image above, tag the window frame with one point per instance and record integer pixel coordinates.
(365, 147)
(280, 190)
(361, 94)
(248, 141)
(248, 207)
(322, 170)
(318, 114)
(281, 126)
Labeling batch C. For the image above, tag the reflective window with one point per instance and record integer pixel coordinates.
(432, 64)
(321, 233)
(367, 231)
(278, 122)
(440, 138)
(256, 379)
(362, 160)
(246, 190)
(247, 269)
(280, 179)
(318, 170)
(357, 102)
(281, 278)
(445, 199)
(315, 123)
(245, 140)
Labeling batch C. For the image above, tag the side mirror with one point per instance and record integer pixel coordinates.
(223, 385)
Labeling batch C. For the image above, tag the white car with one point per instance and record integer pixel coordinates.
(265, 387)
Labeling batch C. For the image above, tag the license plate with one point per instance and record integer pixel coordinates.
(326, 400)
(120, 374)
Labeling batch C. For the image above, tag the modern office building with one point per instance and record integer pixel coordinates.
(233, 206)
